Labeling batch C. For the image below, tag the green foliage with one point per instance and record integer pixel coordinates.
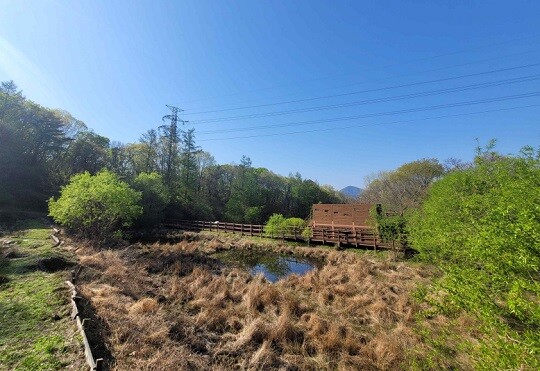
(155, 198)
(275, 225)
(278, 225)
(295, 223)
(96, 205)
(307, 233)
(253, 214)
(188, 162)
(481, 226)
(87, 151)
(390, 226)
(30, 135)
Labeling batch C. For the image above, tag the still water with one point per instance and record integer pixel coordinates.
(272, 265)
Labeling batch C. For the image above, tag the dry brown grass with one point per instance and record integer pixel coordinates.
(172, 306)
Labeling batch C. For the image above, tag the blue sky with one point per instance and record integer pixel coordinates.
(115, 64)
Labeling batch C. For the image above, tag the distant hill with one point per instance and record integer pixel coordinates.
(351, 191)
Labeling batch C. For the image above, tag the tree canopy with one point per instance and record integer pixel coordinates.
(404, 188)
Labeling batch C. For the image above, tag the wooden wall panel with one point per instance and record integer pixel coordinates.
(341, 214)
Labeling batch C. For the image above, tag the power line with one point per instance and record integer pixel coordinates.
(378, 114)
(370, 90)
(395, 76)
(376, 100)
(371, 124)
(385, 66)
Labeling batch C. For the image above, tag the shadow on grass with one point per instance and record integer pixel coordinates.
(17, 263)
(96, 331)
(17, 220)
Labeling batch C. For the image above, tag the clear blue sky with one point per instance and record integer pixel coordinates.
(115, 64)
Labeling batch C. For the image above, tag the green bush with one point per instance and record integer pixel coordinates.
(481, 226)
(95, 206)
(155, 198)
(278, 225)
(390, 226)
(275, 225)
(295, 223)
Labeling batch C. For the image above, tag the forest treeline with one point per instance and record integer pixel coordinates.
(42, 148)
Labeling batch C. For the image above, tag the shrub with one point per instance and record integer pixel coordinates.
(390, 225)
(295, 223)
(275, 225)
(94, 206)
(278, 225)
(481, 226)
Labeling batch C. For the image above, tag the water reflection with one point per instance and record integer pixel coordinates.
(272, 265)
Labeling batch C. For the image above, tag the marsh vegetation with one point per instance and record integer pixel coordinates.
(178, 306)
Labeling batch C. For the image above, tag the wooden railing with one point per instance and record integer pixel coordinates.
(197, 225)
(340, 235)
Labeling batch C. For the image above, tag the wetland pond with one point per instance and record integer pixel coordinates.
(272, 265)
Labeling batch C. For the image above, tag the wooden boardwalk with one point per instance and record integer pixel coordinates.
(341, 235)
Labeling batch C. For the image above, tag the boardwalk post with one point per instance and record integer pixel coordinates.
(354, 235)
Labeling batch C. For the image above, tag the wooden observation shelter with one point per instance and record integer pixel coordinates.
(343, 224)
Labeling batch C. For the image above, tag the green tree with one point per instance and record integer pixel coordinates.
(87, 152)
(31, 137)
(94, 206)
(169, 141)
(148, 152)
(155, 198)
(189, 167)
(404, 188)
(244, 190)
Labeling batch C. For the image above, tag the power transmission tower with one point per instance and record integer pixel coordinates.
(172, 141)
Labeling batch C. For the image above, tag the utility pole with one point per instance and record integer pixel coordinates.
(172, 141)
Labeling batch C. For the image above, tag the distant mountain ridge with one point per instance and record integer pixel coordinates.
(351, 191)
